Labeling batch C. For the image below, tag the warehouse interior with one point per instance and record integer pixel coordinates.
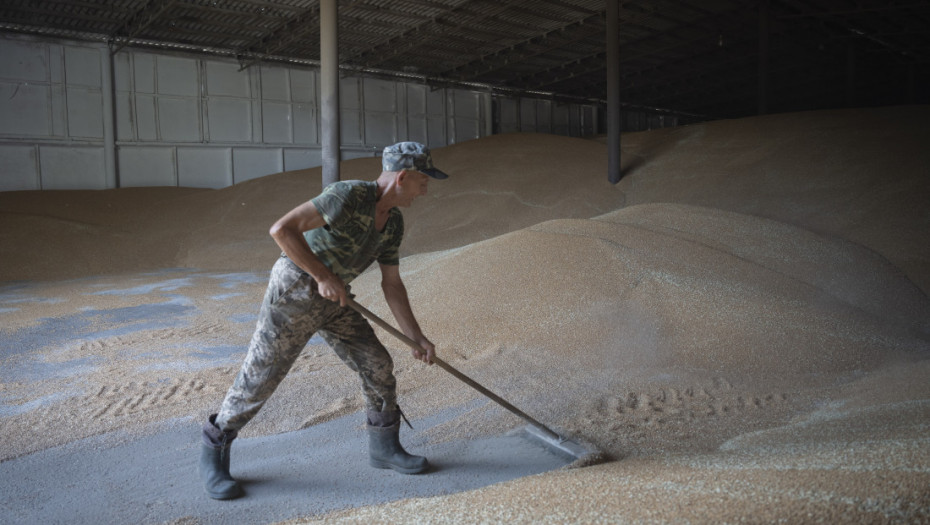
(140, 93)
(699, 60)
(691, 235)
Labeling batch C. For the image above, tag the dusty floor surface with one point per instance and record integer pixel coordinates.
(742, 323)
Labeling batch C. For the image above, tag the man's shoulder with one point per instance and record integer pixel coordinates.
(357, 188)
(351, 184)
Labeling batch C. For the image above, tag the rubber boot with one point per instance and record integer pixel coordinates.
(384, 447)
(214, 462)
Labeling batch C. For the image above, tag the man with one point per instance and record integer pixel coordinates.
(327, 242)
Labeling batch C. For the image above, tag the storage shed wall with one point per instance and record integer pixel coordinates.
(196, 121)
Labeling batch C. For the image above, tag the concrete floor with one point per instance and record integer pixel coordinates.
(150, 476)
(153, 479)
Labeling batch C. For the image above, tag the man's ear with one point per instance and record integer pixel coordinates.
(401, 176)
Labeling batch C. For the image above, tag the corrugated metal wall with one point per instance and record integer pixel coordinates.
(196, 121)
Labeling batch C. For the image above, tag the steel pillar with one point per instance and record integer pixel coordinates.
(111, 163)
(329, 90)
(613, 91)
(763, 98)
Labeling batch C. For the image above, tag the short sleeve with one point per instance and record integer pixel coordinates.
(393, 235)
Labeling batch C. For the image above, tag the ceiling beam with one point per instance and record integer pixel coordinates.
(411, 38)
(138, 22)
(586, 28)
(854, 11)
(283, 35)
(595, 62)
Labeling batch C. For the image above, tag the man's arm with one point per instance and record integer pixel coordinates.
(395, 293)
(288, 233)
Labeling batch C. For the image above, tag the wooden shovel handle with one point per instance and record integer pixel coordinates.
(449, 368)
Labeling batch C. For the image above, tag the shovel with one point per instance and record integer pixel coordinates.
(535, 429)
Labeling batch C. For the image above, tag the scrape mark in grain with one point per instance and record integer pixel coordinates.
(687, 403)
(132, 398)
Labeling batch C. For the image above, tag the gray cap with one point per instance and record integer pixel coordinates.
(410, 156)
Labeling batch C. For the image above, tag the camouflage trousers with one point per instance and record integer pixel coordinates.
(292, 311)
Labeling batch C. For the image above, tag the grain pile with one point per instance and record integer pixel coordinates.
(744, 318)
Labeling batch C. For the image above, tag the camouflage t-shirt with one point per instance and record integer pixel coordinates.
(349, 242)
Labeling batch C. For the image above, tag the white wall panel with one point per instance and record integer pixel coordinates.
(589, 122)
(349, 93)
(355, 153)
(204, 167)
(435, 102)
(465, 117)
(380, 102)
(435, 131)
(560, 119)
(303, 86)
(400, 115)
(508, 115)
(251, 163)
(229, 113)
(25, 109)
(416, 130)
(255, 83)
(52, 94)
(24, 60)
(350, 130)
(300, 159)
(230, 120)
(378, 94)
(125, 113)
(20, 169)
(225, 79)
(276, 122)
(143, 71)
(275, 84)
(574, 121)
(154, 166)
(72, 168)
(58, 110)
(527, 115)
(379, 128)
(179, 119)
(543, 116)
(85, 113)
(56, 65)
(416, 113)
(177, 76)
(124, 116)
(306, 130)
(146, 124)
(416, 99)
(122, 72)
(465, 104)
(82, 66)
(466, 130)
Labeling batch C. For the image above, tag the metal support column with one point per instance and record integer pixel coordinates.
(851, 98)
(488, 100)
(763, 57)
(111, 164)
(613, 91)
(329, 90)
